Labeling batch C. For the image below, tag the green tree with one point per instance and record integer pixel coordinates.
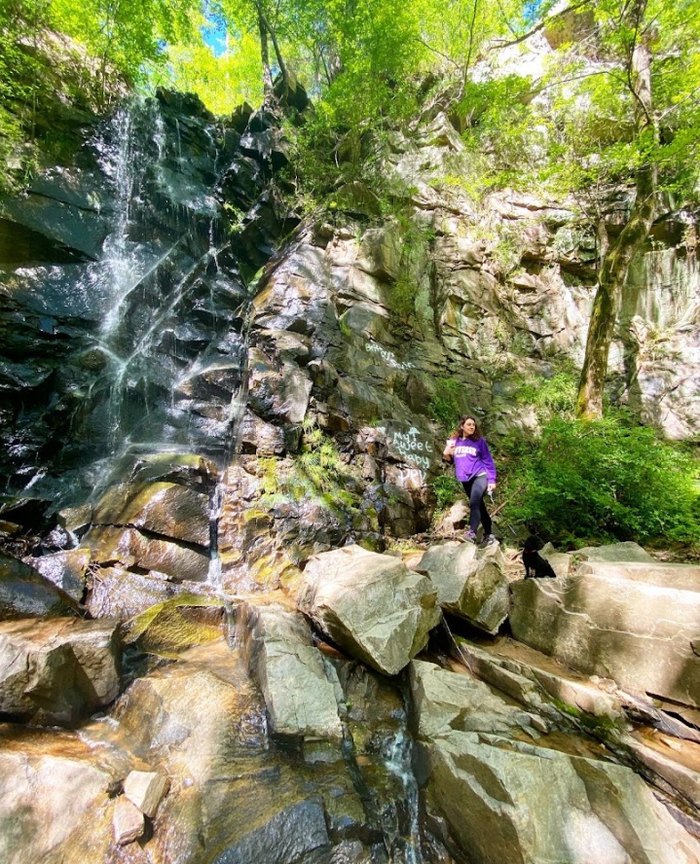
(125, 36)
(625, 115)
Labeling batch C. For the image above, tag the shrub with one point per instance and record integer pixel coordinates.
(448, 403)
(446, 489)
(608, 479)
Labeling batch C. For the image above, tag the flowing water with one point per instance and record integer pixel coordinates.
(163, 364)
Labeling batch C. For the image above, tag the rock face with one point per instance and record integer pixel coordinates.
(370, 605)
(126, 339)
(470, 582)
(57, 671)
(633, 622)
(50, 779)
(509, 800)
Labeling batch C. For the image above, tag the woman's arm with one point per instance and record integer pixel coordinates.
(487, 459)
(449, 450)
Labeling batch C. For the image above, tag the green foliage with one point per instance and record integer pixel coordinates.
(446, 489)
(449, 402)
(222, 82)
(606, 479)
(20, 75)
(125, 37)
(500, 130)
(316, 472)
(551, 397)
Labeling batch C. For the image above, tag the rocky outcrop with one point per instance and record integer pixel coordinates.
(526, 802)
(233, 794)
(57, 671)
(636, 623)
(507, 799)
(369, 604)
(470, 582)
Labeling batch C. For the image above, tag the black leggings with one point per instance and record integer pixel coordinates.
(476, 489)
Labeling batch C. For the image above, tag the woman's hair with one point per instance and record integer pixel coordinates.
(477, 431)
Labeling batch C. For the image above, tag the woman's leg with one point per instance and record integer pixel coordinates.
(476, 489)
(477, 505)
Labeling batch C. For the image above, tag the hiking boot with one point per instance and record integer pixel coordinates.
(489, 540)
(470, 536)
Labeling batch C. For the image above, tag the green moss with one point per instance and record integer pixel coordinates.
(316, 472)
(598, 726)
(166, 629)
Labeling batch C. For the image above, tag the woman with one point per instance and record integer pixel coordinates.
(476, 472)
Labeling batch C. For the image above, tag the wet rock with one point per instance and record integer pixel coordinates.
(145, 790)
(24, 592)
(127, 821)
(288, 837)
(57, 671)
(67, 570)
(206, 731)
(470, 582)
(166, 509)
(131, 548)
(369, 604)
(171, 627)
(278, 395)
(49, 782)
(634, 623)
(69, 227)
(300, 686)
(118, 593)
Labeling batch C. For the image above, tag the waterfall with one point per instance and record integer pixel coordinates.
(169, 354)
(407, 846)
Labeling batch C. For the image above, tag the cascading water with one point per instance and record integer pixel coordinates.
(163, 363)
(407, 845)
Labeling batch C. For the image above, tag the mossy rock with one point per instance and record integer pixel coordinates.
(175, 625)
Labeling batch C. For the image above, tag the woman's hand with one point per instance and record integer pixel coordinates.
(449, 450)
(490, 488)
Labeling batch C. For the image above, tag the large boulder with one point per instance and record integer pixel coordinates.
(543, 796)
(445, 700)
(57, 671)
(470, 582)
(637, 623)
(300, 686)
(371, 605)
(520, 802)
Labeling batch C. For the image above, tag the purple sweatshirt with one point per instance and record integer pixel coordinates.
(473, 458)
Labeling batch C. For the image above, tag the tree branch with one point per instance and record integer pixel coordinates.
(544, 23)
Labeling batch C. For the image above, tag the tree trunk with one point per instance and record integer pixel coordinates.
(611, 281)
(265, 58)
(616, 260)
(265, 30)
